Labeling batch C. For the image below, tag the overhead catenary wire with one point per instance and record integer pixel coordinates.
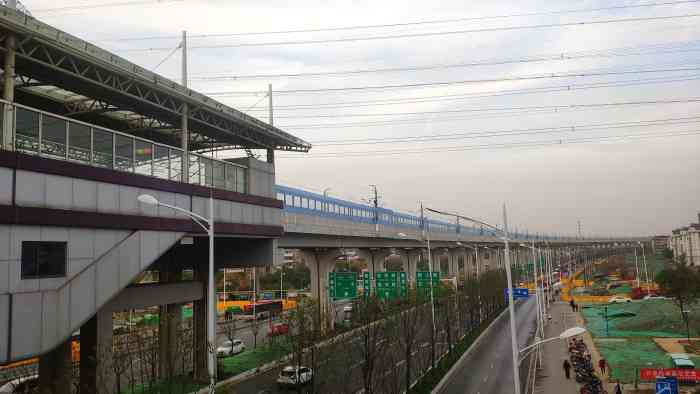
(83, 7)
(414, 23)
(179, 46)
(552, 75)
(509, 132)
(426, 34)
(483, 94)
(563, 56)
(505, 145)
(433, 118)
(520, 108)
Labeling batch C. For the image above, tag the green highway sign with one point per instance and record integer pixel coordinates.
(423, 279)
(342, 285)
(390, 285)
(366, 284)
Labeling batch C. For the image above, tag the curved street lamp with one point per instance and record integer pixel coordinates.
(208, 226)
(566, 334)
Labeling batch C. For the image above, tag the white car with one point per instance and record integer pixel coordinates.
(295, 376)
(19, 385)
(230, 348)
(619, 299)
(655, 297)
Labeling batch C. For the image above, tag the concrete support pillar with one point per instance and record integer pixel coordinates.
(413, 256)
(199, 325)
(170, 322)
(96, 368)
(56, 370)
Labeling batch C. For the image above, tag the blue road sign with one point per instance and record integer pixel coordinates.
(666, 386)
(519, 292)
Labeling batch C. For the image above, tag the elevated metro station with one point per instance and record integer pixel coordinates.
(84, 132)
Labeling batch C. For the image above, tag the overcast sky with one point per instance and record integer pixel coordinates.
(605, 165)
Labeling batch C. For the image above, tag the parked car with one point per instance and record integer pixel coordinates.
(230, 348)
(295, 376)
(278, 329)
(618, 299)
(655, 297)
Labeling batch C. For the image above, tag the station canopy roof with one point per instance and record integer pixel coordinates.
(62, 74)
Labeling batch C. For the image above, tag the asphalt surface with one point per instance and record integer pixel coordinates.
(488, 369)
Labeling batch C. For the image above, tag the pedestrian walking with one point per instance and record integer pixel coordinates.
(567, 368)
(602, 364)
(618, 388)
(573, 306)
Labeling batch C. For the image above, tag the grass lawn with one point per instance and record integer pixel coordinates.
(179, 385)
(253, 358)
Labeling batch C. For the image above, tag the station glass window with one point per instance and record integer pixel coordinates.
(27, 131)
(231, 179)
(43, 259)
(144, 157)
(161, 157)
(53, 136)
(219, 178)
(79, 144)
(102, 148)
(124, 153)
(175, 165)
(194, 170)
(241, 181)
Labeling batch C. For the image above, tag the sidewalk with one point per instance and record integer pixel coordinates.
(551, 378)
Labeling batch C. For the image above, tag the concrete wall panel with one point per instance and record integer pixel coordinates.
(107, 280)
(236, 212)
(147, 209)
(166, 198)
(130, 258)
(182, 201)
(106, 239)
(26, 334)
(84, 195)
(4, 277)
(16, 283)
(149, 245)
(6, 190)
(128, 203)
(81, 243)
(59, 192)
(4, 321)
(5, 242)
(63, 310)
(49, 334)
(107, 198)
(82, 296)
(31, 189)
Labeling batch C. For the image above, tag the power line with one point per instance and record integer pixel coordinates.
(416, 23)
(105, 5)
(544, 58)
(426, 34)
(511, 132)
(523, 108)
(167, 57)
(506, 145)
(462, 82)
(483, 94)
(434, 119)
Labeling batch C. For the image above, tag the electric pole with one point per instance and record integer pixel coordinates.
(185, 138)
(375, 202)
(270, 151)
(579, 229)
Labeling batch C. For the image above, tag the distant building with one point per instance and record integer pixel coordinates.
(685, 241)
(660, 242)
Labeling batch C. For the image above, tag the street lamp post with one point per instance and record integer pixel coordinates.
(208, 226)
(511, 306)
(540, 320)
(571, 332)
(646, 272)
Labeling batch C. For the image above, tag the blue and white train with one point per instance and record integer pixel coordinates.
(308, 203)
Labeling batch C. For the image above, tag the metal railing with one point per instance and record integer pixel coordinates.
(49, 135)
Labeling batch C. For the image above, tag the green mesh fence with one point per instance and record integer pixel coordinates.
(654, 318)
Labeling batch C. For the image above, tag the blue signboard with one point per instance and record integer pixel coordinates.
(519, 292)
(666, 386)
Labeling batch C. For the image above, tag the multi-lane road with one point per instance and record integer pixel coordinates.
(487, 369)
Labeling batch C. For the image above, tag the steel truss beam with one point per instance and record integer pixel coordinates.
(60, 67)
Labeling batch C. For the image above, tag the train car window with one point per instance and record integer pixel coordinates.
(288, 200)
